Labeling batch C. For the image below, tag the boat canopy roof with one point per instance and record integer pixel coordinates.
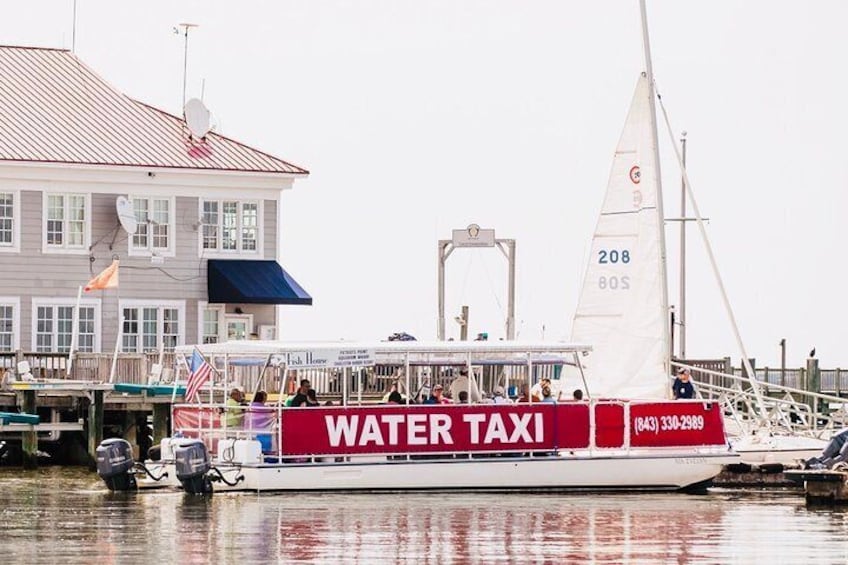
(401, 352)
(254, 347)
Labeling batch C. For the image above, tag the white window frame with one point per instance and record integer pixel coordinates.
(138, 303)
(232, 317)
(202, 306)
(69, 301)
(64, 248)
(15, 246)
(218, 252)
(15, 303)
(172, 232)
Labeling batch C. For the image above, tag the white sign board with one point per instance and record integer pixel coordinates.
(474, 236)
(326, 358)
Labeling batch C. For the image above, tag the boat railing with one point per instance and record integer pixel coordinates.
(788, 409)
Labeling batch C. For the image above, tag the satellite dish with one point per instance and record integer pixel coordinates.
(126, 214)
(197, 117)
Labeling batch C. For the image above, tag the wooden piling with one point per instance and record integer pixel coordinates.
(813, 381)
(161, 413)
(29, 441)
(95, 425)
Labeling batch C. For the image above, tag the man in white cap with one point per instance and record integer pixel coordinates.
(683, 387)
(499, 397)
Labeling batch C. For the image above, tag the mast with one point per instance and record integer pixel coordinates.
(649, 71)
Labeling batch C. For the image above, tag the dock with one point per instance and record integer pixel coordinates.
(83, 410)
(822, 487)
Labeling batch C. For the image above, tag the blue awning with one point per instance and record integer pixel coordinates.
(244, 281)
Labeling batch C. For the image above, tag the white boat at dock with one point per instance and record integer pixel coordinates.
(594, 444)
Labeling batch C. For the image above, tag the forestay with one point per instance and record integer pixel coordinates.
(622, 309)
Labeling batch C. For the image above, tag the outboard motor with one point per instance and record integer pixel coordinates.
(115, 464)
(191, 460)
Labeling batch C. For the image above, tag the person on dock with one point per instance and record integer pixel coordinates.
(683, 387)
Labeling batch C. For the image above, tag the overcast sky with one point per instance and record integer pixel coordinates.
(416, 118)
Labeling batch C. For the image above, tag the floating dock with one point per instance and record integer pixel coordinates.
(825, 486)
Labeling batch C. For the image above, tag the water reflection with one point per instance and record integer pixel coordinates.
(65, 516)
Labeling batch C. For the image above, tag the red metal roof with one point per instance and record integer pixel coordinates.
(53, 108)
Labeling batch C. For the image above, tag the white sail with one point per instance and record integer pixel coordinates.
(622, 308)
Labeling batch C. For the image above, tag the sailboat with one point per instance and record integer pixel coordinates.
(623, 307)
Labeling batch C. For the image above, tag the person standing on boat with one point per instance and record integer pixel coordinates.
(683, 387)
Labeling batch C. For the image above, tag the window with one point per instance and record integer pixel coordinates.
(209, 322)
(155, 218)
(66, 222)
(9, 308)
(147, 326)
(230, 226)
(10, 228)
(53, 324)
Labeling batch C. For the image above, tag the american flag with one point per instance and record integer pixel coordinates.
(200, 371)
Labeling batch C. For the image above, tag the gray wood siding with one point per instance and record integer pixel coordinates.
(32, 273)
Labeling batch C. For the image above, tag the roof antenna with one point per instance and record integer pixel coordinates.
(74, 30)
(185, 27)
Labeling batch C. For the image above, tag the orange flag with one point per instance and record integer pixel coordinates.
(106, 279)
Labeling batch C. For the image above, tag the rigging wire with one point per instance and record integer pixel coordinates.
(752, 377)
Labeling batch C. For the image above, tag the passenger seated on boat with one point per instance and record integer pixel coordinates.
(300, 398)
(463, 397)
(536, 390)
(395, 398)
(547, 396)
(312, 398)
(461, 384)
(577, 394)
(683, 387)
(260, 418)
(234, 409)
(437, 396)
(499, 396)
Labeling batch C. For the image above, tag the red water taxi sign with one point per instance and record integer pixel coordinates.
(417, 429)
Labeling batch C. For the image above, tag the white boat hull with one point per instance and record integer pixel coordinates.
(777, 449)
(669, 471)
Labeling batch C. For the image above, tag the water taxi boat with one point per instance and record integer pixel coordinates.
(591, 444)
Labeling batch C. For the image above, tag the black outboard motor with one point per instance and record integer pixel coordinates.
(191, 460)
(115, 464)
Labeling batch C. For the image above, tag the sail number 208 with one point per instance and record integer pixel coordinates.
(608, 256)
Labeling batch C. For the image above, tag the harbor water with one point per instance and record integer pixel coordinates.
(65, 515)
